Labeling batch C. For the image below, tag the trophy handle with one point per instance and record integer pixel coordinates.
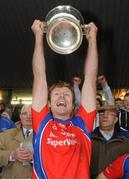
(44, 26)
(84, 29)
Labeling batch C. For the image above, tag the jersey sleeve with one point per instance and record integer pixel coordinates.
(37, 117)
(88, 118)
(116, 169)
(126, 167)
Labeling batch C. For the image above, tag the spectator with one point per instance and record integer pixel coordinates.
(118, 169)
(5, 115)
(62, 146)
(5, 124)
(99, 96)
(76, 84)
(101, 80)
(124, 113)
(107, 142)
(9, 110)
(124, 132)
(106, 89)
(16, 112)
(118, 103)
(2, 107)
(98, 103)
(13, 155)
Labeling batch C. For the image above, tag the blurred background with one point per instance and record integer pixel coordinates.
(17, 43)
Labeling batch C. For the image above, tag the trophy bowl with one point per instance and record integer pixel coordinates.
(64, 29)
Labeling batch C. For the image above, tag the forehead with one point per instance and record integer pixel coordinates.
(100, 77)
(76, 78)
(117, 101)
(108, 112)
(1, 105)
(126, 98)
(26, 109)
(61, 89)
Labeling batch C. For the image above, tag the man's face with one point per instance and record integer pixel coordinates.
(98, 105)
(61, 102)
(26, 117)
(126, 102)
(77, 80)
(107, 120)
(119, 103)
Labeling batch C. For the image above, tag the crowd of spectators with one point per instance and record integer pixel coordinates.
(109, 137)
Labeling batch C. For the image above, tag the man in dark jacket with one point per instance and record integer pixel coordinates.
(107, 142)
(123, 114)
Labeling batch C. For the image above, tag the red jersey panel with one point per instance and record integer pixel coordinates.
(62, 149)
(119, 168)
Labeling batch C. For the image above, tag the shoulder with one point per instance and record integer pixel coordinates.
(124, 139)
(6, 121)
(96, 133)
(121, 138)
(9, 133)
(123, 111)
(127, 160)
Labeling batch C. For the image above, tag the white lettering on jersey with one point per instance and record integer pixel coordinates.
(65, 142)
(63, 132)
(62, 125)
(54, 127)
(52, 134)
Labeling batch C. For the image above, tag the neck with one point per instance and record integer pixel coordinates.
(107, 131)
(27, 127)
(62, 117)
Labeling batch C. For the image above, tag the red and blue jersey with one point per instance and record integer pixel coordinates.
(119, 168)
(62, 149)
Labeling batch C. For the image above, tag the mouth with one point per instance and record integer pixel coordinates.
(28, 121)
(105, 120)
(61, 104)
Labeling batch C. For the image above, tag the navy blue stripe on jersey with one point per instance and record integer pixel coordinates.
(126, 168)
(77, 121)
(38, 164)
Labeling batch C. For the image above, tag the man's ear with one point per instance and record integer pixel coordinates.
(74, 106)
(49, 104)
(116, 119)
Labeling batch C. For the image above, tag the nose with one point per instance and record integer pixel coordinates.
(29, 115)
(62, 95)
(105, 114)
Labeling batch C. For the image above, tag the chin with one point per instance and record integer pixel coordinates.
(62, 113)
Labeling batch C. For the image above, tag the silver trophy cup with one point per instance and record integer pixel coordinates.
(64, 28)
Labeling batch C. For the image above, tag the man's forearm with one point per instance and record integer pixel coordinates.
(38, 57)
(91, 64)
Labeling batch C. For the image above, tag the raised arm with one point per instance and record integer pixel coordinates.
(40, 90)
(106, 89)
(88, 97)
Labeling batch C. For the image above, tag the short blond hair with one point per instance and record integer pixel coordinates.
(26, 106)
(61, 84)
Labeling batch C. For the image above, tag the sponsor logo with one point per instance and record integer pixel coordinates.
(66, 142)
